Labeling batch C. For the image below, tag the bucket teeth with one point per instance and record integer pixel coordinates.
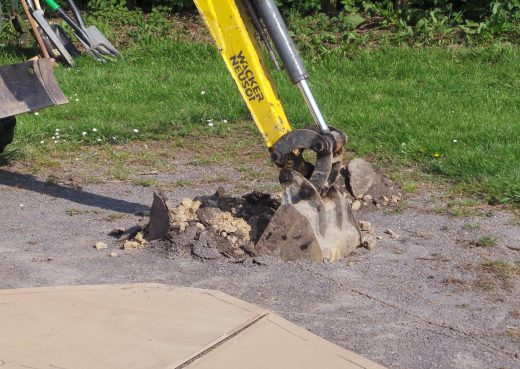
(309, 226)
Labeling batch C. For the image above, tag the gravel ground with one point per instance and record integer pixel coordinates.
(424, 300)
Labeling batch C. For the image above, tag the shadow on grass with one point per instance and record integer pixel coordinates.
(76, 195)
(19, 51)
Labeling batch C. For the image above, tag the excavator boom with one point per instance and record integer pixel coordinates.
(234, 35)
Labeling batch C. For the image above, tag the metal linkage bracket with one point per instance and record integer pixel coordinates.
(288, 153)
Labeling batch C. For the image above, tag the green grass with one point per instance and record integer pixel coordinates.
(455, 112)
(484, 241)
(471, 226)
(503, 269)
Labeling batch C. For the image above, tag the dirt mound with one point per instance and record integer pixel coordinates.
(211, 227)
(219, 225)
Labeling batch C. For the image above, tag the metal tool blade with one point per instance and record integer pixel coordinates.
(28, 86)
(42, 22)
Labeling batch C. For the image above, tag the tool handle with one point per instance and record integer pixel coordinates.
(52, 4)
(76, 12)
(34, 28)
(77, 29)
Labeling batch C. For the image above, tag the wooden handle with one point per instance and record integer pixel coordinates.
(34, 27)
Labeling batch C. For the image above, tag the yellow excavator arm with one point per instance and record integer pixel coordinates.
(234, 35)
(315, 221)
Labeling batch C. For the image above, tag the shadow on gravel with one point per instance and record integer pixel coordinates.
(77, 195)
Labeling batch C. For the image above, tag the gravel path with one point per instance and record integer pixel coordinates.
(426, 300)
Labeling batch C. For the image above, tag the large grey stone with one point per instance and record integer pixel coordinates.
(360, 177)
(160, 218)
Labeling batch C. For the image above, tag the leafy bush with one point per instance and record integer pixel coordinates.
(328, 26)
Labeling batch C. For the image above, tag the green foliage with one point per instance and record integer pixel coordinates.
(320, 31)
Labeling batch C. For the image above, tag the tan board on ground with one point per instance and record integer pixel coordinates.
(154, 326)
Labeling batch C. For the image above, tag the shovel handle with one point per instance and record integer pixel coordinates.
(52, 4)
(34, 27)
(76, 12)
(77, 29)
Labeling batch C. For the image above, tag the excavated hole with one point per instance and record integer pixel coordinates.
(210, 227)
(217, 226)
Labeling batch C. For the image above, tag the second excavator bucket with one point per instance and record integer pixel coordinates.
(28, 86)
(310, 226)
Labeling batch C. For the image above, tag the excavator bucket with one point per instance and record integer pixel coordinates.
(28, 86)
(310, 226)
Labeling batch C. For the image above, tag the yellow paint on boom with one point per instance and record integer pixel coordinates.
(236, 41)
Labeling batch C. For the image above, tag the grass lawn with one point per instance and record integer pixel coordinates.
(455, 112)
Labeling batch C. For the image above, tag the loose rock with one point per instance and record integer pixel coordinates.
(139, 237)
(392, 234)
(356, 205)
(160, 218)
(100, 246)
(132, 245)
(360, 177)
(369, 242)
(366, 227)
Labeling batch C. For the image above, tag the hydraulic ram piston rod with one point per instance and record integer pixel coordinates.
(313, 106)
(273, 21)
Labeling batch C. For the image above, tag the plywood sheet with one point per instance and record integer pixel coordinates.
(154, 327)
(130, 327)
(273, 342)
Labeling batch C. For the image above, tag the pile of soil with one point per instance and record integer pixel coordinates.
(212, 227)
(222, 226)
